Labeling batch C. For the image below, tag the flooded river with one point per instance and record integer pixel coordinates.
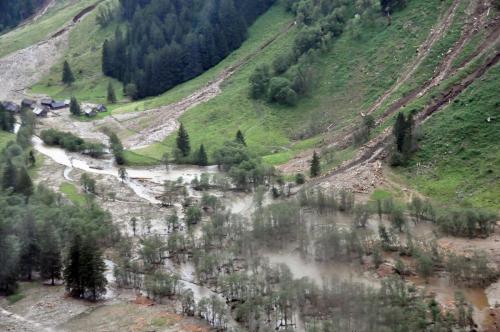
(142, 180)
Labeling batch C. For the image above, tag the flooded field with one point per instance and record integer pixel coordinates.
(138, 196)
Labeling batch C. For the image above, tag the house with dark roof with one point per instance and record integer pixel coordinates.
(28, 103)
(41, 111)
(57, 105)
(47, 101)
(11, 107)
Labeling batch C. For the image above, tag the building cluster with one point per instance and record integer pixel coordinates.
(42, 107)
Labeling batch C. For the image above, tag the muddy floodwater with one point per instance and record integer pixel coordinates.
(145, 182)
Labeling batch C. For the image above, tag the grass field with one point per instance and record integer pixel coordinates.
(72, 193)
(350, 77)
(459, 157)
(52, 21)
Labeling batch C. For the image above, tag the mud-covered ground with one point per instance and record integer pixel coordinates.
(47, 308)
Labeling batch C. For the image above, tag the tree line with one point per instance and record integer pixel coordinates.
(71, 142)
(13, 12)
(169, 42)
(42, 235)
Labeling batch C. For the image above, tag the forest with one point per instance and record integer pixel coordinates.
(13, 12)
(170, 42)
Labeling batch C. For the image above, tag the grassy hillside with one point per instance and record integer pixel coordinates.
(459, 156)
(349, 77)
(84, 55)
(52, 21)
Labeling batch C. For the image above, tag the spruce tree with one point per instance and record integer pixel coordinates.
(72, 275)
(24, 185)
(67, 76)
(201, 158)
(399, 131)
(50, 253)
(92, 269)
(29, 246)
(315, 165)
(9, 178)
(183, 141)
(240, 138)
(84, 271)
(111, 94)
(74, 107)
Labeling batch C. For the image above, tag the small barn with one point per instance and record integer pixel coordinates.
(28, 103)
(41, 111)
(47, 102)
(89, 111)
(101, 108)
(57, 105)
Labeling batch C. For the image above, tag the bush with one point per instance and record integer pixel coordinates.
(300, 178)
(281, 92)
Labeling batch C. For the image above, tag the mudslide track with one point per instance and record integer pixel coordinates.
(423, 51)
(375, 148)
(153, 126)
(477, 21)
(23, 68)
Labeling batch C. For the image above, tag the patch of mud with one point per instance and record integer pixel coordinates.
(22, 69)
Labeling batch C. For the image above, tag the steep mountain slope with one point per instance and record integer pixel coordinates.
(378, 69)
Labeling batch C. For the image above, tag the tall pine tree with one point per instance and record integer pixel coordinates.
(67, 76)
(74, 107)
(183, 144)
(201, 158)
(240, 138)
(29, 246)
(315, 165)
(50, 253)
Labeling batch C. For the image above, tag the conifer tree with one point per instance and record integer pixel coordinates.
(50, 253)
(111, 94)
(9, 177)
(24, 185)
(84, 271)
(74, 107)
(201, 158)
(29, 246)
(183, 141)
(240, 138)
(92, 270)
(315, 165)
(67, 76)
(72, 276)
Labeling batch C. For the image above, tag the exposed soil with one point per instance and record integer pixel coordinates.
(477, 21)
(21, 69)
(155, 125)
